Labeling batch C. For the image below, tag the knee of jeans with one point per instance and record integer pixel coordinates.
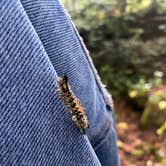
(101, 124)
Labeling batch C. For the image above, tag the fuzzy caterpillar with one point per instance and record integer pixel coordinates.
(73, 104)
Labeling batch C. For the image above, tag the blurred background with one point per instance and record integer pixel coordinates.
(127, 41)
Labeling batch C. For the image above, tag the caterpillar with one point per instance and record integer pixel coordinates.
(73, 104)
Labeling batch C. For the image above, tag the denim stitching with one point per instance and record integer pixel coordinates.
(106, 96)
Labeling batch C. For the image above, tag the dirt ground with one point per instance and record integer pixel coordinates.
(138, 147)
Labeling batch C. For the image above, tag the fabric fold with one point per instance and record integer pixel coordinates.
(35, 127)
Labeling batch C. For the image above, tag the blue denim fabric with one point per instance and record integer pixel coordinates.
(38, 43)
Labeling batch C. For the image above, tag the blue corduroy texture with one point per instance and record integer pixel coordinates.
(38, 43)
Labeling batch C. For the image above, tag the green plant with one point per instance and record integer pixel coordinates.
(120, 55)
(140, 92)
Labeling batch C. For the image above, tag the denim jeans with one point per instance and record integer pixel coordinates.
(38, 43)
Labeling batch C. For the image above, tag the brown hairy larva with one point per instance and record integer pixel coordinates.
(73, 104)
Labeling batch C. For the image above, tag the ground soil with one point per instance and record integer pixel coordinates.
(138, 147)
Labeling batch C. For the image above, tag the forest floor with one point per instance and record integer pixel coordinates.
(138, 147)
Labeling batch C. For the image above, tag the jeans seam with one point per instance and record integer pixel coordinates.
(102, 140)
(97, 141)
(106, 96)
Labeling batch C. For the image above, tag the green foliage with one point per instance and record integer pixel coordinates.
(139, 92)
(120, 55)
(123, 63)
(151, 97)
(162, 129)
(155, 111)
(128, 5)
